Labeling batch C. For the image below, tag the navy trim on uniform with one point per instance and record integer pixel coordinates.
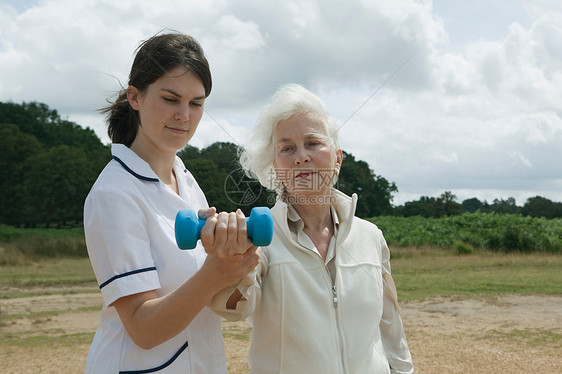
(132, 172)
(125, 275)
(163, 366)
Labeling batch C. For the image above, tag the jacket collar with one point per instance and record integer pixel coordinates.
(344, 205)
(133, 163)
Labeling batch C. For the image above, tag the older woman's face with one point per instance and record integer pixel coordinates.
(304, 160)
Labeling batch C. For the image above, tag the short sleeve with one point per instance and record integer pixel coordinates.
(118, 244)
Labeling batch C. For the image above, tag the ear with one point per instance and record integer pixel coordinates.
(133, 97)
(339, 158)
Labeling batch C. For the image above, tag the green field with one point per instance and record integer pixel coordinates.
(418, 272)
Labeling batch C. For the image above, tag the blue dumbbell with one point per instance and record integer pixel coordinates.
(188, 227)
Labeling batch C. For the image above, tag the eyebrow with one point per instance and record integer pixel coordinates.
(178, 95)
(284, 140)
(307, 136)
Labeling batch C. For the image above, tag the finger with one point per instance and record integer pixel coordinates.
(206, 213)
(232, 238)
(221, 229)
(251, 252)
(242, 237)
(208, 234)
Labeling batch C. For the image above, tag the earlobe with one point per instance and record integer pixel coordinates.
(339, 158)
(133, 97)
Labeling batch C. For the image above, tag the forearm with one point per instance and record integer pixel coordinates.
(239, 301)
(152, 320)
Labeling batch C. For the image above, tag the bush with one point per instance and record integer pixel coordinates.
(498, 232)
(462, 248)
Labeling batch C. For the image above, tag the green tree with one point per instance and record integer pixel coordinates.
(218, 174)
(542, 207)
(40, 154)
(424, 207)
(223, 154)
(446, 205)
(472, 205)
(55, 186)
(508, 206)
(374, 191)
(208, 176)
(15, 147)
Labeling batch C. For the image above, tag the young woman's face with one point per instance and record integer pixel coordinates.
(304, 160)
(169, 110)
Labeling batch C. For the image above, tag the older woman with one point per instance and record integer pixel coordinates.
(322, 298)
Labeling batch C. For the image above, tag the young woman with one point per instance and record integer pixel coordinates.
(323, 299)
(154, 316)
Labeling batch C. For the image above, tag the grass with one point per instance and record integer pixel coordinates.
(536, 338)
(10, 233)
(243, 334)
(39, 317)
(19, 246)
(420, 273)
(62, 273)
(46, 340)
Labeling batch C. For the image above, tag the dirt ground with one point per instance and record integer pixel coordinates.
(507, 334)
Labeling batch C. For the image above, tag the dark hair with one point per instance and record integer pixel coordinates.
(154, 57)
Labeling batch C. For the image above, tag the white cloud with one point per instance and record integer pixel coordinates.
(476, 110)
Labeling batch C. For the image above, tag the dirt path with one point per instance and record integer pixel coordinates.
(509, 334)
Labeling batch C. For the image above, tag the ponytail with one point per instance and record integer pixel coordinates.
(122, 120)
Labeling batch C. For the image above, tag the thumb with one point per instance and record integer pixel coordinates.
(206, 213)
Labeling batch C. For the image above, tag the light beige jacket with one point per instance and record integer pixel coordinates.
(302, 323)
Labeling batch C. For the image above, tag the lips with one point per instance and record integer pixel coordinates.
(176, 130)
(304, 174)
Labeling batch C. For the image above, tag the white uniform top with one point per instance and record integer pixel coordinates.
(129, 219)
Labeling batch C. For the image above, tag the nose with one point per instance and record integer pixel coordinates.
(182, 114)
(302, 156)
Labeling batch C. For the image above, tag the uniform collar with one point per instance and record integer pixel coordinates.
(133, 163)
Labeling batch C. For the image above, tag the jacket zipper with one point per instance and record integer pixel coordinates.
(335, 302)
(334, 296)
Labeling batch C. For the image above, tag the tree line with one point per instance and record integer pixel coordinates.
(48, 165)
(446, 205)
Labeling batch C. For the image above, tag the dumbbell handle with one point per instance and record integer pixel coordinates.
(188, 227)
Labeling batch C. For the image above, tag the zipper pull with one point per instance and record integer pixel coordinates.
(335, 296)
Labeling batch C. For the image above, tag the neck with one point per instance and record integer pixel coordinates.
(315, 217)
(160, 162)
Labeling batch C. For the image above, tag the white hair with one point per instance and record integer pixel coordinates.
(292, 99)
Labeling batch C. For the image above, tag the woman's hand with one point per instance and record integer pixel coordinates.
(231, 255)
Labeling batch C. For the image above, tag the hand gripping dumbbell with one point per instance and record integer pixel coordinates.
(188, 227)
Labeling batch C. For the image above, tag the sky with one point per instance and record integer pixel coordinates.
(443, 95)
